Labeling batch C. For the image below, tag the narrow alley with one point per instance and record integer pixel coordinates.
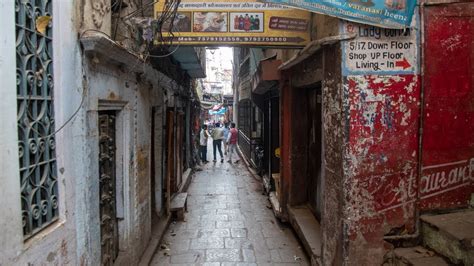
(229, 222)
(352, 121)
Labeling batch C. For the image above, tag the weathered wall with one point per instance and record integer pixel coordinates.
(384, 104)
(447, 178)
(373, 105)
(115, 85)
(333, 232)
(382, 150)
(382, 110)
(324, 67)
(56, 244)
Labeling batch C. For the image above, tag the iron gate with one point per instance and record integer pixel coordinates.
(108, 211)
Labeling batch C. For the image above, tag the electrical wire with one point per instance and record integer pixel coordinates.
(139, 10)
(71, 118)
(166, 55)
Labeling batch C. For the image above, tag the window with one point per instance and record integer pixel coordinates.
(38, 174)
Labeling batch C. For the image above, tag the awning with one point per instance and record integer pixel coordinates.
(221, 111)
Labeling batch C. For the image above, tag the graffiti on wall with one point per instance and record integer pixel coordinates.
(434, 181)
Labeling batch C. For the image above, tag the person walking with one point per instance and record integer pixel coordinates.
(226, 134)
(217, 135)
(232, 140)
(203, 137)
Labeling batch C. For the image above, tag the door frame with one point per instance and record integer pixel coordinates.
(123, 131)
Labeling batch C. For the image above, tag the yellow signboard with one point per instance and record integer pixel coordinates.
(220, 22)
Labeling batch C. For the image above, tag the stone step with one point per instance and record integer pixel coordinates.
(416, 256)
(451, 235)
(308, 230)
(179, 205)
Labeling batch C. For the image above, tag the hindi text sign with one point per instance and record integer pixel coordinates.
(220, 22)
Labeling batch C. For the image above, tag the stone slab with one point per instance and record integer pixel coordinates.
(179, 201)
(417, 256)
(460, 225)
(307, 228)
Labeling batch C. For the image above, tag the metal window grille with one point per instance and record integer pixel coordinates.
(38, 173)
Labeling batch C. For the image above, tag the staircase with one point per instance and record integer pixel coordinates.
(447, 239)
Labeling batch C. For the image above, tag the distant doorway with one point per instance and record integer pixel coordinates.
(314, 150)
(157, 174)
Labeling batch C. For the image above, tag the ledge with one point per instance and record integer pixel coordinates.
(276, 206)
(313, 47)
(308, 230)
(101, 47)
(105, 51)
(266, 76)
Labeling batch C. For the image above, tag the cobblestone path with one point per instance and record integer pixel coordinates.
(228, 223)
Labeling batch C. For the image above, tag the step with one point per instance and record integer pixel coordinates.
(451, 235)
(416, 256)
(308, 230)
(275, 205)
(179, 205)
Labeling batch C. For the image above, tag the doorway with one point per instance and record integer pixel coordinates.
(314, 150)
(107, 187)
(157, 174)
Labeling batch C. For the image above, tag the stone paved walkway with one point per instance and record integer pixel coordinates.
(228, 223)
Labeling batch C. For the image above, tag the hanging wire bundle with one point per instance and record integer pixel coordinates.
(165, 23)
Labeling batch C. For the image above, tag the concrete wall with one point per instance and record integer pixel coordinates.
(86, 85)
(57, 243)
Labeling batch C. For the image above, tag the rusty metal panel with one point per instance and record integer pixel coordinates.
(448, 117)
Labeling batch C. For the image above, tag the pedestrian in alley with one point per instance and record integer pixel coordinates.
(226, 135)
(217, 135)
(232, 141)
(203, 137)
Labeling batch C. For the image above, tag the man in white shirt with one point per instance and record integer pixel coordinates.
(203, 136)
(217, 135)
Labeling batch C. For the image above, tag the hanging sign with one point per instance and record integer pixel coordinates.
(381, 13)
(221, 111)
(221, 22)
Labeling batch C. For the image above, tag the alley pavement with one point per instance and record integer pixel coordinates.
(229, 222)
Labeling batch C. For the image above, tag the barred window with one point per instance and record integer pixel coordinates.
(34, 65)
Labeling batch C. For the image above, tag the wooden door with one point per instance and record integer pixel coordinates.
(170, 156)
(107, 188)
(157, 176)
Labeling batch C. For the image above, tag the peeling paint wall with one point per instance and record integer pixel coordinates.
(381, 161)
(397, 140)
(112, 84)
(381, 135)
(384, 190)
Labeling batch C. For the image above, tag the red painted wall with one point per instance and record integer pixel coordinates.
(382, 152)
(448, 120)
(383, 187)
